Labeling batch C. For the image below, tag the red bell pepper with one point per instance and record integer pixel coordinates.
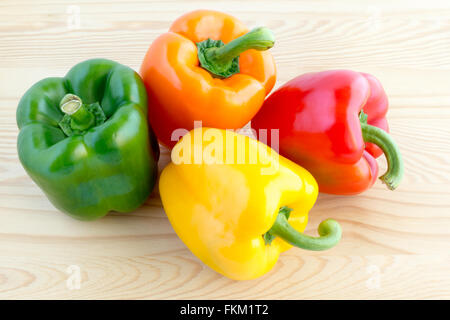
(333, 124)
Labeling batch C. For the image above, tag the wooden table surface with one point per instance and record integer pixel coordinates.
(395, 244)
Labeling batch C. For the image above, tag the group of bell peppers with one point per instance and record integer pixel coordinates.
(89, 140)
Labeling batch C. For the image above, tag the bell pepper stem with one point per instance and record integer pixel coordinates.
(382, 139)
(222, 61)
(260, 39)
(72, 105)
(330, 232)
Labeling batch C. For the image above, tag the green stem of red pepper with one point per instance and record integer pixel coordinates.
(222, 60)
(82, 118)
(382, 139)
(330, 233)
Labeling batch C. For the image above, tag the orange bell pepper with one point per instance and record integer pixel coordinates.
(207, 68)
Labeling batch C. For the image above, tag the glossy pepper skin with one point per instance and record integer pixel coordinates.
(226, 210)
(317, 115)
(182, 91)
(111, 166)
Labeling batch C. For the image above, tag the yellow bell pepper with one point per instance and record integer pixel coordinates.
(237, 204)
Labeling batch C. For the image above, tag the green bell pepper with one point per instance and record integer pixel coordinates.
(85, 141)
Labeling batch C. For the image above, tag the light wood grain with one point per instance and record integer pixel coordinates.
(395, 244)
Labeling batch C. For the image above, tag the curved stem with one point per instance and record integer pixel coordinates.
(259, 39)
(81, 118)
(382, 139)
(222, 61)
(329, 230)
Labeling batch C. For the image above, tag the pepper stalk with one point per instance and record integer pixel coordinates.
(79, 117)
(382, 139)
(330, 232)
(222, 60)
